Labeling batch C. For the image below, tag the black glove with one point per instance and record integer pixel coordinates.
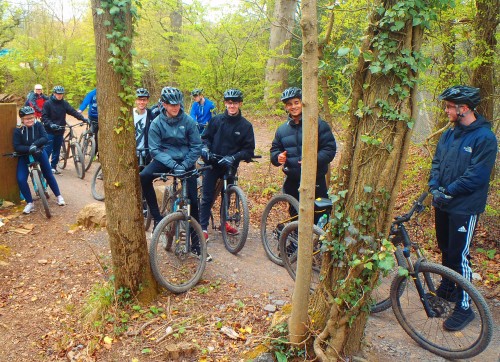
(54, 127)
(205, 154)
(440, 197)
(33, 149)
(178, 169)
(227, 161)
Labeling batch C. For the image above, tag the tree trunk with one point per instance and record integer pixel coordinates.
(485, 25)
(125, 222)
(298, 325)
(371, 168)
(176, 26)
(279, 47)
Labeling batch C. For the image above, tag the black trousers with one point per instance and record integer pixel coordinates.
(291, 187)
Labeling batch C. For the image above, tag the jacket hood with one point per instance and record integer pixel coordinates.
(478, 123)
(54, 99)
(171, 120)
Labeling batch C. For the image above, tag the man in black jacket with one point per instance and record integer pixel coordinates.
(286, 148)
(54, 119)
(229, 135)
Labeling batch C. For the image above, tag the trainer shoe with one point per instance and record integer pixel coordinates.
(205, 234)
(55, 171)
(28, 208)
(196, 254)
(231, 230)
(60, 201)
(459, 319)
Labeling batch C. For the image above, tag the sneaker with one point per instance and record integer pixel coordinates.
(28, 208)
(459, 319)
(99, 176)
(446, 290)
(205, 234)
(231, 230)
(55, 171)
(196, 254)
(60, 201)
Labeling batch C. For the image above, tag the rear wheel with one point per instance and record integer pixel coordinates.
(280, 210)
(97, 185)
(175, 267)
(235, 219)
(88, 148)
(63, 155)
(39, 190)
(76, 151)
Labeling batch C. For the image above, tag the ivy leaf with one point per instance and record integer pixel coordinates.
(367, 189)
(343, 51)
(369, 265)
(280, 356)
(402, 272)
(375, 68)
(99, 11)
(114, 10)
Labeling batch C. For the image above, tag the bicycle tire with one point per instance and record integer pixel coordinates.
(177, 270)
(167, 206)
(97, 185)
(288, 246)
(236, 215)
(40, 191)
(77, 154)
(381, 293)
(273, 222)
(429, 332)
(63, 155)
(88, 148)
(147, 214)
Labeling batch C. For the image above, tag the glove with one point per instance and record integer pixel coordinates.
(205, 154)
(54, 127)
(226, 161)
(33, 149)
(440, 198)
(178, 169)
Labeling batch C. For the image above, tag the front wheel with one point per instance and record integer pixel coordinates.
(88, 148)
(97, 185)
(235, 219)
(427, 329)
(76, 151)
(40, 191)
(63, 155)
(180, 266)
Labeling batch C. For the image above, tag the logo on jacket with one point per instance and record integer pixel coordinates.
(181, 127)
(237, 133)
(462, 229)
(468, 149)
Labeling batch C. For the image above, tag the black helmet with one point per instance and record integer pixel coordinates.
(171, 95)
(58, 89)
(24, 111)
(462, 94)
(233, 95)
(142, 92)
(289, 93)
(196, 92)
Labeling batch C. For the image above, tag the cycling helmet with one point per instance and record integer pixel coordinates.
(233, 95)
(461, 94)
(142, 92)
(171, 95)
(289, 93)
(26, 110)
(58, 89)
(196, 92)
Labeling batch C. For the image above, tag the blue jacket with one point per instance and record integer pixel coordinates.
(90, 101)
(202, 114)
(288, 138)
(54, 111)
(464, 159)
(174, 140)
(24, 137)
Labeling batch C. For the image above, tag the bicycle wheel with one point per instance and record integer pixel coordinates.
(97, 185)
(177, 268)
(275, 217)
(288, 247)
(382, 290)
(428, 331)
(88, 148)
(77, 154)
(235, 219)
(63, 155)
(147, 214)
(39, 190)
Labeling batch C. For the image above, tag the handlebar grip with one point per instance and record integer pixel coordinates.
(422, 197)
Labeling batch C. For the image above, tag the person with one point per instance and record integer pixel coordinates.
(90, 101)
(286, 147)
(36, 99)
(54, 119)
(142, 121)
(459, 181)
(30, 139)
(174, 145)
(230, 135)
(201, 110)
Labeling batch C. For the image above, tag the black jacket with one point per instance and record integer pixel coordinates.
(24, 137)
(288, 138)
(464, 159)
(228, 135)
(55, 111)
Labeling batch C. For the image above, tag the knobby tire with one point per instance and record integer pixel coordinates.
(38, 186)
(235, 213)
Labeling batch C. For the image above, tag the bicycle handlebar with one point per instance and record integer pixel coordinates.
(220, 157)
(418, 206)
(184, 175)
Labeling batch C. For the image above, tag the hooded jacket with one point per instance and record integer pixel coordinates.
(464, 159)
(24, 137)
(288, 138)
(174, 140)
(54, 111)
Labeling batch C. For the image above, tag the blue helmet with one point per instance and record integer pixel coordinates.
(461, 94)
(58, 89)
(171, 95)
(196, 92)
(289, 93)
(26, 110)
(233, 95)
(142, 92)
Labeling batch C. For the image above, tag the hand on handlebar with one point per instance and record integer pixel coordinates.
(33, 149)
(178, 169)
(440, 197)
(205, 154)
(226, 161)
(54, 127)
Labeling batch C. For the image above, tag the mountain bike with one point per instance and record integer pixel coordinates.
(70, 143)
(175, 264)
(88, 144)
(37, 179)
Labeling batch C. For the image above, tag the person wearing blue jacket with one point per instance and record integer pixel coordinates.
(174, 145)
(201, 110)
(30, 139)
(459, 182)
(90, 101)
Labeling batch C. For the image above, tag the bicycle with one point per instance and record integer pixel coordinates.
(88, 144)
(37, 179)
(70, 142)
(175, 265)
